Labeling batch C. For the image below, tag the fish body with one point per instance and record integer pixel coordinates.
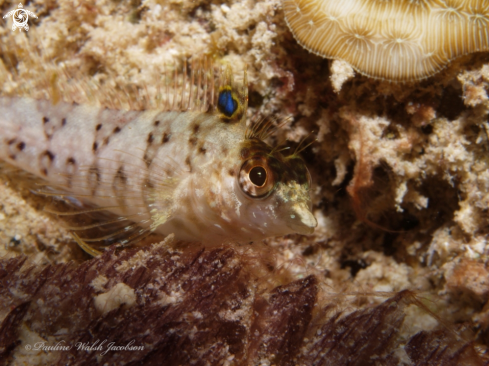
(200, 174)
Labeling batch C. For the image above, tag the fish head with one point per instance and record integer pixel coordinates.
(274, 191)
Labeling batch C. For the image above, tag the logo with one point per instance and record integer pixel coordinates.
(20, 17)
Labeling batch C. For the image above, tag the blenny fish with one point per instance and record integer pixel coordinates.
(191, 167)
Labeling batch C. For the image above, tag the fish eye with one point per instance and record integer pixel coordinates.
(258, 176)
(255, 178)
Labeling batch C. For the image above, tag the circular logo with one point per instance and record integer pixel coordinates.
(20, 18)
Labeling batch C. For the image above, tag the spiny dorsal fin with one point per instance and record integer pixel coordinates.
(205, 87)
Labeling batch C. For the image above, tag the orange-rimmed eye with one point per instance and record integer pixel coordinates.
(256, 178)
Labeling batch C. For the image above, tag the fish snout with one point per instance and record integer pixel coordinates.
(301, 220)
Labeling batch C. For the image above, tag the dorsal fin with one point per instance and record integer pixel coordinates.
(205, 87)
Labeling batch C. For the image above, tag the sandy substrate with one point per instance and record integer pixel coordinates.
(400, 171)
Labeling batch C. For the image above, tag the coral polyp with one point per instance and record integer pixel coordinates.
(393, 40)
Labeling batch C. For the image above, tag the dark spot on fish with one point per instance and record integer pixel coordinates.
(11, 141)
(119, 186)
(202, 150)
(49, 154)
(192, 141)
(94, 178)
(147, 159)
(63, 122)
(196, 128)
(94, 172)
(45, 120)
(95, 146)
(98, 127)
(44, 171)
(187, 161)
(70, 167)
(157, 123)
(166, 138)
(21, 146)
(231, 172)
(106, 140)
(11, 156)
(224, 151)
(120, 176)
(117, 130)
(245, 152)
(150, 138)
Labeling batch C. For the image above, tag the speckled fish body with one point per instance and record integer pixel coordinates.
(190, 173)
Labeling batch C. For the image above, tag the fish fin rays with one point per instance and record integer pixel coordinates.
(197, 87)
(85, 247)
(94, 228)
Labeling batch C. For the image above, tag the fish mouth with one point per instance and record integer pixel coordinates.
(301, 221)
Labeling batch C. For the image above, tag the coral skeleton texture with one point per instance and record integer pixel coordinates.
(400, 192)
(393, 40)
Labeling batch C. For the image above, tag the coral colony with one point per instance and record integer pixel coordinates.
(393, 40)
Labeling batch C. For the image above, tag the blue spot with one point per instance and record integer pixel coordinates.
(226, 104)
